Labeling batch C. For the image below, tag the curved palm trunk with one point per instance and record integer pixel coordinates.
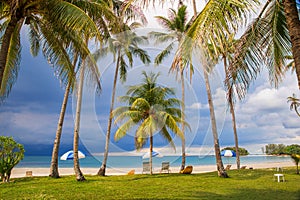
(78, 173)
(230, 101)
(5, 45)
(183, 120)
(293, 25)
(101, 171)
(54, 160)
(220, 167)
(297, 112)
(151, 150)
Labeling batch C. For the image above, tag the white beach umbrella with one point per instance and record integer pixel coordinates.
(70, 155)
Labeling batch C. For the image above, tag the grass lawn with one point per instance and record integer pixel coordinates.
(243, 184)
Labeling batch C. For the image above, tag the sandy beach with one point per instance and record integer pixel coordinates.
(21, 172)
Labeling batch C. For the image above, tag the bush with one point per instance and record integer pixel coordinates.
(294, 151)
(10, 155)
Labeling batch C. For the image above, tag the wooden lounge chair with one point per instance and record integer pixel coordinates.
(131, 172)
(227, 167)
(146, 167)
(243, 167)
(165, 166)
(187, 170)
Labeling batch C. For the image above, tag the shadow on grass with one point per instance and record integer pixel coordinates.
(247, 194)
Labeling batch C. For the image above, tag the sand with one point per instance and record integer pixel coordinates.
(21, 172)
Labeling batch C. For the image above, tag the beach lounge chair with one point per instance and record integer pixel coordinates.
(227, 167)
(146, 167)
(165, 166)
(243, 167)
(131, 172)
(187, 170)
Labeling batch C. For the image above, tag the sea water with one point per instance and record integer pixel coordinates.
(136, 161)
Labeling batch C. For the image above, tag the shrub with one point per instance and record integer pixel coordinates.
(10, 155)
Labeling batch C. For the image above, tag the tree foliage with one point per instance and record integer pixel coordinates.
(11, 153)
(275, 149)
(294, 151)
(242, 151)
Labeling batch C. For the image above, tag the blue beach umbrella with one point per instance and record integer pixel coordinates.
(228, 153)
(154, 154)
(70, 155)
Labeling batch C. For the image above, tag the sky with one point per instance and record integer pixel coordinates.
(31, 111)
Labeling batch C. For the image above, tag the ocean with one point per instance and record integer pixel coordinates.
(136, 161)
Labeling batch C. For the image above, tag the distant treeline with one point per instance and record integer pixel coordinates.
(242, 151)
(281, 149)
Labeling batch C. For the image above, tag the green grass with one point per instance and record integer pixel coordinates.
(243, 184)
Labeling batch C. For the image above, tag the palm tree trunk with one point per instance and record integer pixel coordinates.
(194, 8)
(5, 46)
(78, 173)
(151, 150)
(54, 160)
(220, 167)
(101, 171)
(230, 101)
(183, 120)
(297, 111)
(293, 25)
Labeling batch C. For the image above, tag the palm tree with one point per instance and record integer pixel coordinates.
(177, 25)
(124, 44)
(151, 109)
(265, 43)
(270, 41)
(295, 103)
(99, 12)
(54, 159)
(225, 49)
(293, 24)
(217, 19)
(51, 23)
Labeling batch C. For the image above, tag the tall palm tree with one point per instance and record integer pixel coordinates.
(152, 110)
(100, 13)
(124, 45)
(221, 17)
(177, 25)
(293, 24)
(54, 159)
(295, 103)
(225, 49)
(79, 175)
(51, 23)
(265, 44)
(272, 39)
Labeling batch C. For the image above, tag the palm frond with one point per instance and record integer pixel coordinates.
(123, 69)
(69, 15)
(12, 64)
(166, 135)
(161, 37)
(123, 129)
(163, 54)
(141, 54)
(265, 43)
(34, 38)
